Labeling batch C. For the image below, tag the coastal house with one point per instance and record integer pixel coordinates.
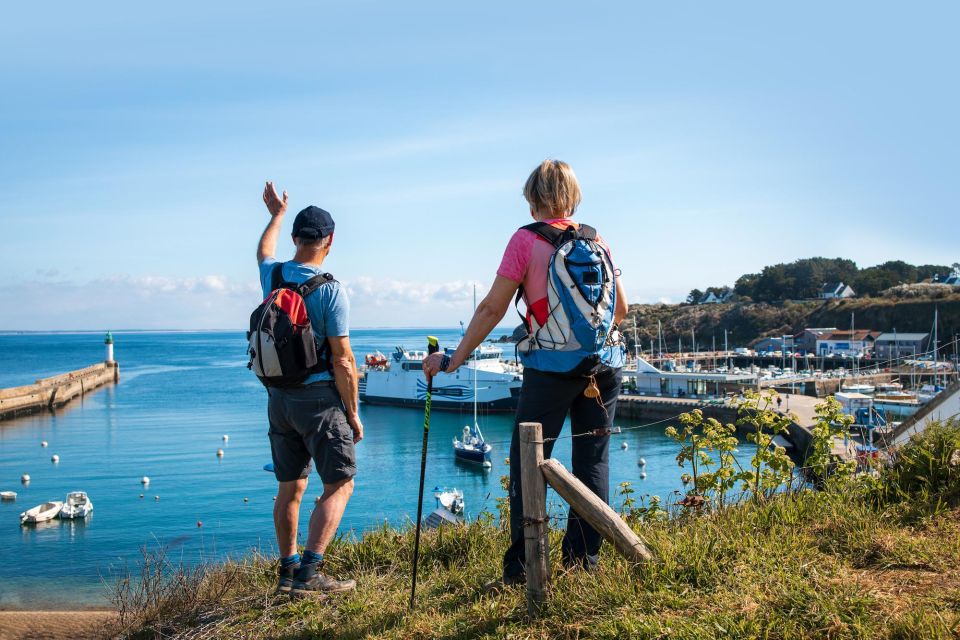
(834, 290)
(713, 298)
(892, 346)
(847, 343)
(806, 340)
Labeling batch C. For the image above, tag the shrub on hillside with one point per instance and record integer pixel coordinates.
(920, 290)
(924, 474)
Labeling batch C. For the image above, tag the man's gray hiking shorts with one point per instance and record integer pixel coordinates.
(309, 423)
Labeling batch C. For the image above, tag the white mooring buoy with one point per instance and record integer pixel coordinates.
(25, 478)
(156, 498)
(642, 462)
(54, 458)
(145, 480)
(43, 444)
(624, 445)
(643, 475)
(245, 499)
(219, 453)
(226, 438)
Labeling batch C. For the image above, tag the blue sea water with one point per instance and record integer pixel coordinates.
(179, 393)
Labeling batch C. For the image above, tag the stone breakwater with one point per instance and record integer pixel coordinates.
(48, 394)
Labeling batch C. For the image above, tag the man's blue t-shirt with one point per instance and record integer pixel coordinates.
(328, 306)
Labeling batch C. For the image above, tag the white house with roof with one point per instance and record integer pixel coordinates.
(712, 298)
(953, 278)
(834, 290)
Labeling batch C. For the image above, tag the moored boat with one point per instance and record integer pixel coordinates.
(449, 508)
(77, 506)
(8, 495)
(472, 448)
(41, 512)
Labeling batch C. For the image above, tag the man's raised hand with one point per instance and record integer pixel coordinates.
(275, 205)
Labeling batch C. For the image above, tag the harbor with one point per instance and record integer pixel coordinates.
(118, 434)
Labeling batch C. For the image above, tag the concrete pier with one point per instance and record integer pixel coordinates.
(49, 394)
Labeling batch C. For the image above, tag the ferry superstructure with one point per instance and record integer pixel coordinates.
(398, 380)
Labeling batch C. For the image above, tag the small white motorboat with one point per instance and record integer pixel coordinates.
(41, 513)
(8, 495)
(449, 499)
(449, 508)
(78, 506)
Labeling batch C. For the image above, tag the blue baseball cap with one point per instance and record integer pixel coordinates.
(313, 223)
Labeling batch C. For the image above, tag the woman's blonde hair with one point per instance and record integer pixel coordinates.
(553, 188)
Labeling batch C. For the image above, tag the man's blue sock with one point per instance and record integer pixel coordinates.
(309, 557)
(289, 561)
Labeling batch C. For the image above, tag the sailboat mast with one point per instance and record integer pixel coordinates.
(476, 354)
(936, 347)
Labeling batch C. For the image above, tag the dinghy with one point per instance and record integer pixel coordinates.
(41, 513)
(8, 495)
(449, 499)
(449, 508)
(78, 506)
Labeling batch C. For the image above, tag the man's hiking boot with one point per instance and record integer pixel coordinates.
(285, 581)
(310, 581)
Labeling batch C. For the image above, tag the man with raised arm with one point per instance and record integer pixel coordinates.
(316, 420)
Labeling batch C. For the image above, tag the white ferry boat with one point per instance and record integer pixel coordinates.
(398, 380)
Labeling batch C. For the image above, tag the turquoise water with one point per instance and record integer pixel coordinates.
(179, 393)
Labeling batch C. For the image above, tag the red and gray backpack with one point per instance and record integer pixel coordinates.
(283, 348)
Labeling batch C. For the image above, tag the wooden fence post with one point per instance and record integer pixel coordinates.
(535, 530)
(591, 508)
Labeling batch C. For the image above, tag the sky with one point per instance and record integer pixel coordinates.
(710, 140)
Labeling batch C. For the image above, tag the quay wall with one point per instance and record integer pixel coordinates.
(823, 387)
(54, 392)
(654, 409)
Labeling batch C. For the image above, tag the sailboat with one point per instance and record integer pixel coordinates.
(472, 448)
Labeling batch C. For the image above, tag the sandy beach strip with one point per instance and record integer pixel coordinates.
(54, 625)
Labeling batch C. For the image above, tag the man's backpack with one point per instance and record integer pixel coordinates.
(283, 348)
(579, 337)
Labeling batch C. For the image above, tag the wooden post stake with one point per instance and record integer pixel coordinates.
(535, 528)
(591, 508)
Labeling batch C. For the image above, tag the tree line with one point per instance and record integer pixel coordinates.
(804, 279)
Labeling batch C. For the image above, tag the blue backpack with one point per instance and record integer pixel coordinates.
(579, 337)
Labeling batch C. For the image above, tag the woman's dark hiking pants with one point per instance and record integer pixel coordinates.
(547, 398)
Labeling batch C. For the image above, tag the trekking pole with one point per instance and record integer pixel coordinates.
(433, 345)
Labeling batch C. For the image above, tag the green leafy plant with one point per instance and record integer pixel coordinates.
(770, 466)
(635, 512)
(830, 424)
(700, 438)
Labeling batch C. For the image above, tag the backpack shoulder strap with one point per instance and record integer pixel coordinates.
(276, 276)
(546, 231)
(557, 237)
(587, 232)
(314, 283)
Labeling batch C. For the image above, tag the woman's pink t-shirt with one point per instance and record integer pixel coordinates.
(527, 259)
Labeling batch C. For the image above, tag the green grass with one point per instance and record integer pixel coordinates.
(858, 560)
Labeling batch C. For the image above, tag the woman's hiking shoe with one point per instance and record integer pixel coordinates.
(285, 581)
(310, 581)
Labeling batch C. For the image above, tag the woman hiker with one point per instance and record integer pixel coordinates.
(572, 354)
